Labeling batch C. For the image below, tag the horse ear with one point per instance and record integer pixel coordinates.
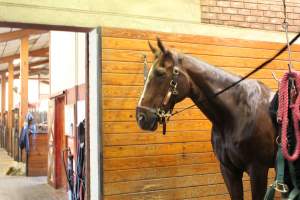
(168, 57)
(160, 45)
(153, 49)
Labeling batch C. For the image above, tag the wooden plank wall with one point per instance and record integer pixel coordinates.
(181, 164)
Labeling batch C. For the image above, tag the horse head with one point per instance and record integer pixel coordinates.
(167, 83)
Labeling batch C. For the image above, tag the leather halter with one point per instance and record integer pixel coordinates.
(162, 114)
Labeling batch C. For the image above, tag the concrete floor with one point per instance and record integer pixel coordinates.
(6, 162)
(24, 188)
(28, 188)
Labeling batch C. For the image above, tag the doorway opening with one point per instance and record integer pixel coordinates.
(44, 71)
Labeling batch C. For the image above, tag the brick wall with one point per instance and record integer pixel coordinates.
(258, 14)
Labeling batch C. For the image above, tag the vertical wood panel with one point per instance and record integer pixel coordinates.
(3, 101)
(3, 93)
(37, 162)
(10, 102)
(51, 142)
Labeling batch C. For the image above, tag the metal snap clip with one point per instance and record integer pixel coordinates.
(281, 187)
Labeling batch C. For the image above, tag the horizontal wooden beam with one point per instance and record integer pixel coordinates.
(37, 63)
(46, 82)
(31, 65)
(19, 34)
(44, 70)
(36, 78)
(32, 72)
(44, 52)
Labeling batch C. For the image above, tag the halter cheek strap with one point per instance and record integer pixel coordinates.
(173, 87)
(172, 91)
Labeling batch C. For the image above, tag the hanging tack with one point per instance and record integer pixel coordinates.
(285, 26)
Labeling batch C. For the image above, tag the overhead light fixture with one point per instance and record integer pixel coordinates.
(16, 61)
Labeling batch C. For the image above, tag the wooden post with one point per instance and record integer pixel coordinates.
(39, 88)
(10, 105)
(24, 71)
(3, 93)
(3, 98)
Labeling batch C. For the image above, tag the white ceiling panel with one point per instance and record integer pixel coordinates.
(45, 65)
(42, 42)
(12, 47)
(15, 29)
(35, 47)
(4, 29)
(34, 37)
(44, 39)
(1, 49)
(34, 59)
(44, 76)
(3, 66)
(9, 52)
(32, 42)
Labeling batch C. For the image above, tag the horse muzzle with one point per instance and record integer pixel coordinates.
(146, 118)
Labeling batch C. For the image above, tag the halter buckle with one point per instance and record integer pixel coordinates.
(173, 88)
(173, 84)
(163, 114)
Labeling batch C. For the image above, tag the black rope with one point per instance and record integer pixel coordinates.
(164, 123)
(243, 78)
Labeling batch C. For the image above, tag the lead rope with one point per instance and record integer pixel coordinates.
(282, 117)
(285, 100)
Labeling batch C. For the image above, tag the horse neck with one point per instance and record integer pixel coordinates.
(207, 80)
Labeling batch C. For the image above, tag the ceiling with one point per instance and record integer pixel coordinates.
(12, 47)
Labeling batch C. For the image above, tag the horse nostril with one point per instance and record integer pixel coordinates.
(141, 117)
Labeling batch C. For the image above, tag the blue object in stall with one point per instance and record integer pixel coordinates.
(29, 127)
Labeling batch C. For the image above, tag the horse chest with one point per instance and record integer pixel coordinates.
(227, 150)
(226, 147)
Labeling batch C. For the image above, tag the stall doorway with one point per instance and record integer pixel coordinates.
(57, 138)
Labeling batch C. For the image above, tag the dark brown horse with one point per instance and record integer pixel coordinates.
(242, 134)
